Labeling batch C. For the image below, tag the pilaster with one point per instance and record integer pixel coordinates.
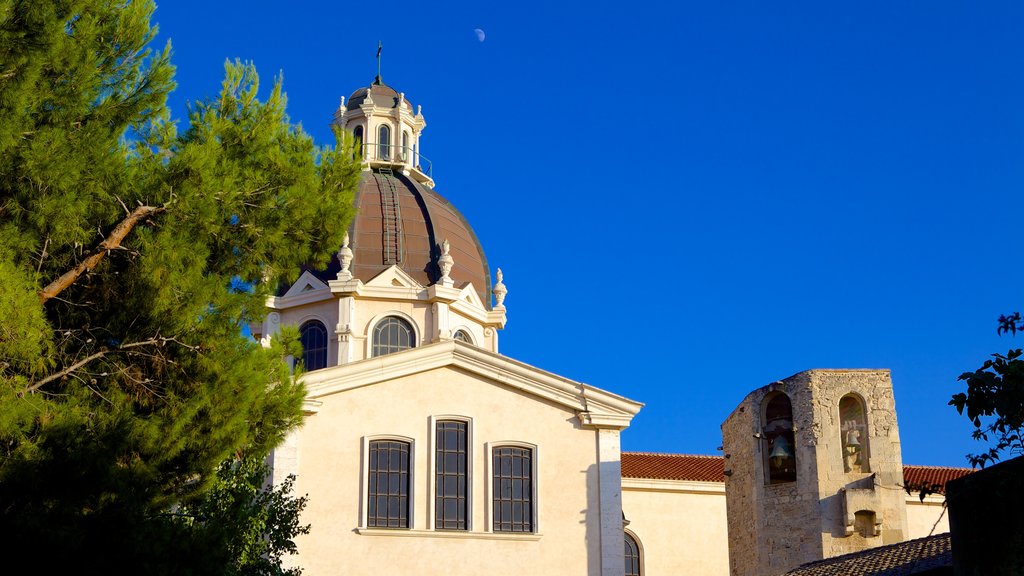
(609, 473)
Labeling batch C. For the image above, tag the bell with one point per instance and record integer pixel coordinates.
(781, 451)
(853, 438)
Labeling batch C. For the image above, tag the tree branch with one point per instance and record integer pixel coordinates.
(111, 242)
(32, 387)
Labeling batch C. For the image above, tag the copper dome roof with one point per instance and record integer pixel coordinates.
(383, 95)
(399, 222)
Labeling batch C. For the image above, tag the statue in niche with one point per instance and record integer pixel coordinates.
(853, 450)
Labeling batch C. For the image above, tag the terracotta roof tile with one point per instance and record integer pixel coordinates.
(903, 559)
(673, 467)
(932, 475)
(711, 469)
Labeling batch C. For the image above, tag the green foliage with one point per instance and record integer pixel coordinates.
(124, 378)
(994, 402)
(253, 524)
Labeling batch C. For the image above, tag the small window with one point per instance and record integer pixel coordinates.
(632, 555)
(358, 134)
(779, 446)
(388, 494)
(313, 336)
(405, 145)
(864, 523)
(384, 142)
(463, 336)
(854, 430)
(392, 334)
(450, 475)
(513, 489)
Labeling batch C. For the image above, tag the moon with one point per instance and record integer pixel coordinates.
(479, 34)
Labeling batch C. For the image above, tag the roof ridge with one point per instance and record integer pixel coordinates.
(672, 454)
(938, 467)
(873, 550)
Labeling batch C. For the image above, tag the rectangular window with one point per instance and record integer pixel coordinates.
(450, 476)
(388, 482)
(513, 489)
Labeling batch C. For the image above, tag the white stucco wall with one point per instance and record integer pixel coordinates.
(679, 525)
(330, 449)
(923, 516)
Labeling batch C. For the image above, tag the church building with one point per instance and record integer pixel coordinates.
(426, 451)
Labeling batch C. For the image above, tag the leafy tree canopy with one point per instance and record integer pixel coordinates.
(131, 256)
(994, 400)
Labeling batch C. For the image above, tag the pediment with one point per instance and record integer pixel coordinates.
(306, 283)
(393, 277)
(593, 406)
(468, 294)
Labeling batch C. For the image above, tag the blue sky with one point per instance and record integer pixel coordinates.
(693, 200)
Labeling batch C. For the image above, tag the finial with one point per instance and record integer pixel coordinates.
(499, 292)
(345, 256)
(445, 262)
(341, 105)
(419, 109)
(378, 81)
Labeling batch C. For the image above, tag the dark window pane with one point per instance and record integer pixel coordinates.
(632, 557)
(392, 334)
(388, 485)
(313, 336)
(513, 500)
(450, 475)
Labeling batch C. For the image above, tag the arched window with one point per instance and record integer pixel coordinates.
(392, 334)
(387, 502)
(777, 432)
(384, 142)
(358, 134)
(313, 336)
(512, 494)
(632, 555)
(450, 475)
(463, 336)
(854, 430)
(405, 145)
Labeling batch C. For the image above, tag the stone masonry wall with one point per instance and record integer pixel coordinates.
(773, 528)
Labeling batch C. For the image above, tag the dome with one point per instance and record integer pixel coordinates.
(400, 222)
(383, 95)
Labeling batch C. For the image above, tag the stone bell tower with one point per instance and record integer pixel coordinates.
(813, 470)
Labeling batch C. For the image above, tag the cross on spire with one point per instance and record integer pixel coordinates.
(378, 80)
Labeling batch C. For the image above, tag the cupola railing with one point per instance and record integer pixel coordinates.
(406, 156)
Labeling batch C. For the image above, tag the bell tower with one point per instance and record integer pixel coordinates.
(813, 470)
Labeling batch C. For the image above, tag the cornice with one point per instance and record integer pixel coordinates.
(282, 302)
(678, 486)
(595, 407)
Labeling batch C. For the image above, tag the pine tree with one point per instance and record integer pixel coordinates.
(131, 258)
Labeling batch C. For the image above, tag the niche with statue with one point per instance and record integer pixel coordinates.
(854, 431)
